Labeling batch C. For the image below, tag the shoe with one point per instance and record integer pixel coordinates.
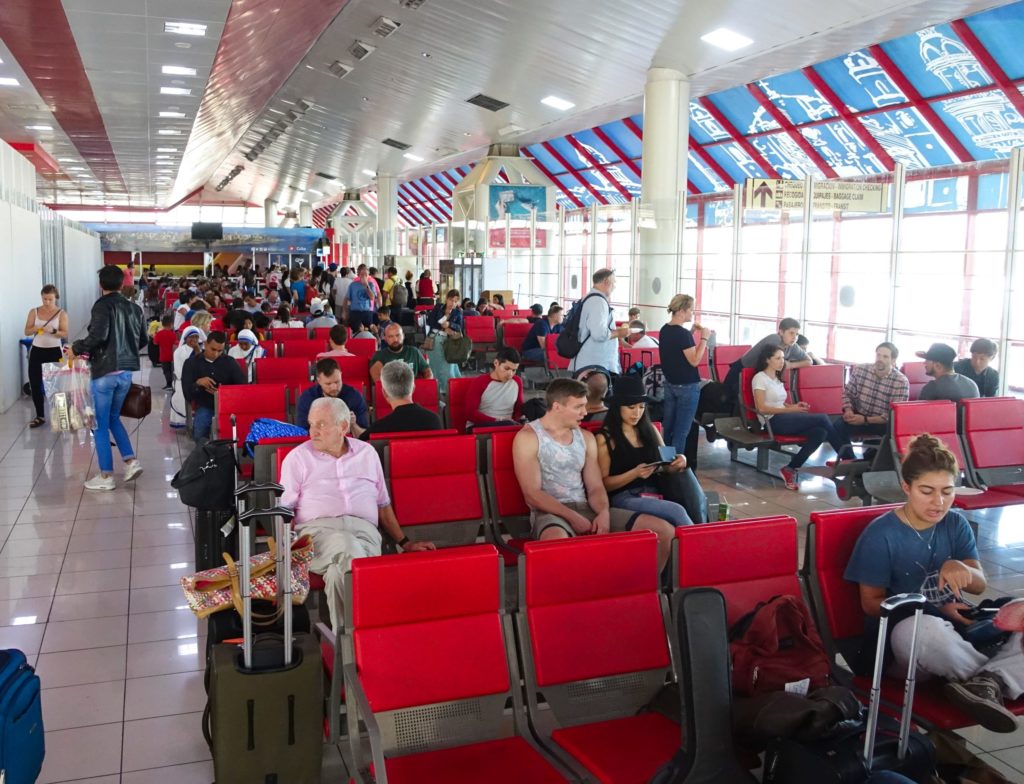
(789, 477)
(134, 469)
(100, 482)
(168, 389)
(981, 697)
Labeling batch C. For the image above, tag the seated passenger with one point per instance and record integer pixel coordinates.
(394, 349)
(631, 466)
(248, 347)
(190, 344)
(329, 384)
(398, 383)
(945, 384)
(771, 402)
(201, 375)
(468, 308)
(336, 487)
(533, 343)
(536, 313)
(638, 337)
(557, 469)
(496, 398)
(803, 342)
(784, 338)
(869, 392)
(320, 315)
(977, 367)
(926, 547)
(597, 390)
(336, 339)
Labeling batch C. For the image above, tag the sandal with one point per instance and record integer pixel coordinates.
(37, 422)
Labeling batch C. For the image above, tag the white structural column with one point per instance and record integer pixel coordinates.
(305, 214)
(270, 213)
(666, 130)
(387, 214)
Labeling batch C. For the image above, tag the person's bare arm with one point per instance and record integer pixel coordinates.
(527, 468)
(800, 364)
(618, 481)
(597, 497)
(388, 521)
(871, 599)
(764, 408)
(62, 325)
(30, 323)
(694, 354)
(375, 370)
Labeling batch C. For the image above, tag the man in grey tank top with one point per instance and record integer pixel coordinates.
(556, 465)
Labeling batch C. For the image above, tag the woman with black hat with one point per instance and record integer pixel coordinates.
(633, 472)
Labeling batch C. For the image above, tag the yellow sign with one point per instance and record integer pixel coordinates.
(829, 195)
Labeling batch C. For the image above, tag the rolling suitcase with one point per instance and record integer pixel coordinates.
(216, 533)
(22, 745)
(266, 706)
(868, 745)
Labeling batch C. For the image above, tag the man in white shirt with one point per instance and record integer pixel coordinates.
(638, 337)
(598, 335)
(341, 284)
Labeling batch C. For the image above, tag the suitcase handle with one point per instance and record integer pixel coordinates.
(258, 487)
(893, 603)
(275, 511)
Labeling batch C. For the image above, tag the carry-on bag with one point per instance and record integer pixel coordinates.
(873, 743)
(22, 746)
(265, 698)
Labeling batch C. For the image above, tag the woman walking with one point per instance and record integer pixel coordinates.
(48, 325)
(680, 356)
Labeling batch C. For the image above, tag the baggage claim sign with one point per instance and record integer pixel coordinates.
(828, 195)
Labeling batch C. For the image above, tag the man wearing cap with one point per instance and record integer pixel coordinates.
(977, 367)
(320, 316)
(945, 383)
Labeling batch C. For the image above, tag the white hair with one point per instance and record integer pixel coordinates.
(397, 380)
(336, 406)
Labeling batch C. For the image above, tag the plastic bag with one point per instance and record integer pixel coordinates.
(68, 391)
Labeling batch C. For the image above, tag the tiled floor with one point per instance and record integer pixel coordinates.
(88, 589)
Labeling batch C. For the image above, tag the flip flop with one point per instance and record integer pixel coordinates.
(37, 422)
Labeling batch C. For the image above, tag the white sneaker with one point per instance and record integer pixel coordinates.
(100, 482)
(133, 470)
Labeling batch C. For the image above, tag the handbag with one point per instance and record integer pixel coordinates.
(207, 477)
(138, 403)
(217, 589)
(428, 343)
(457, 349)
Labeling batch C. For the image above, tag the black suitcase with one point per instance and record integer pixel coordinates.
(265, 698)
(216, 533)
(869, 745)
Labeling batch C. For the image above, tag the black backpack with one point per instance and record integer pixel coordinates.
(568, 343)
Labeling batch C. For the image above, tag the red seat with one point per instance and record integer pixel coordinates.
(646, 356)
(914, 371)
(305, 349)
(362, 347)
(599, 746)
(553, 361)
(247, 403)
(292, 371)
(704, 368)
(723, 356)
(323, 333)
(354, 369)
(424, 393)
(504, 761)
(513, 333)
(821, 386)
(993, 441)
(283, 334)
(456, 408)
(413, 434)
(482, 332)
(509, 512)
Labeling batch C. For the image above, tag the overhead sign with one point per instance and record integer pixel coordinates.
(829, 195)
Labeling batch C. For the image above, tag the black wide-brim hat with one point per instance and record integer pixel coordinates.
(628, 391)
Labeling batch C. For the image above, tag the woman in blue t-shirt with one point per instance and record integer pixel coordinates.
(680, 356)
(927, 547)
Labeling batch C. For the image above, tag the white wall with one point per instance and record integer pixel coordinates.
(20, 281)
(82, 258)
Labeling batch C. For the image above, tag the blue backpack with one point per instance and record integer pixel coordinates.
(271, 428)
(22, 741)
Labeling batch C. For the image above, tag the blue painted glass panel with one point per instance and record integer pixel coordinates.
(624, 138)
(595, 146)
(700, 175)
(1001, 30)
(703, 127)
(571, 184)
(936, 62)
(718, 213)
(430, 185)
(690, 213)
(908, 138)
(603, 185)
(948, 194)
(796, 98)
(986, 123)
(785, 156)
(735, 160)
(570, 153)
(860, 82)
(842, 149)
(545, 158)
(992, 191)
(638, 120)
(740, 109)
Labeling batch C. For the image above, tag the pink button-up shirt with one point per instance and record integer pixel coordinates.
(319, 485)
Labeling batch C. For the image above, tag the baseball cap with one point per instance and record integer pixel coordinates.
(316, 305)
(939, 352)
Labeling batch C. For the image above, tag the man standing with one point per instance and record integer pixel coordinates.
(598, 336)
(398, 383)
(336, 487)
(945, 384)
(117, 333)
(394, 349)
(329, 384)
(868, 393)
(556, 465)
(340, 291)
(362, 300)
(978, 367)
(201, 376)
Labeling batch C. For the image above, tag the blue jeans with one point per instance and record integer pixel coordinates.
(533, 354)
(680, 408)
(108, 394)
(816, 428)
(691, 508)
(202, 423)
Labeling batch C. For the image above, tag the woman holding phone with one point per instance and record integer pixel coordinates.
(445, 321)
(47, 325)
(636, 474)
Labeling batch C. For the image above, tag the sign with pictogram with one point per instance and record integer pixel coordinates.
(829, 195)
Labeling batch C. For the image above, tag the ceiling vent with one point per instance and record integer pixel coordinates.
(486, 102)
(503, 151)
(384, 27)
(352, 196)
(326, 176)
(412, 4)
(361, 50)
(339, 69)
(396, 144)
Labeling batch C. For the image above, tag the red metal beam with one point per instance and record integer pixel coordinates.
(579, 177)
(430, 197)
(988, 62)
(425, 204)
(693, 189)
(451, 179)
(616, 150)
(578, 146)
(852, 121)
(790, 130)
(898, 78)
(737, 137)
(435, 182)
(424, 217)
(710, 161)
(568, 194)
(629, 123)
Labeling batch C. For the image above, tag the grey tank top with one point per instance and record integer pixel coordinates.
(561, 465)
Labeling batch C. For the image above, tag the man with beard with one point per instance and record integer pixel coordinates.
(869, 392)
(395, 349)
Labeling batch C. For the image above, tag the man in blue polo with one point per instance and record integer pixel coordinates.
(329, 384)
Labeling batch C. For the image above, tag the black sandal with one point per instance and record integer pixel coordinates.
(37, 422)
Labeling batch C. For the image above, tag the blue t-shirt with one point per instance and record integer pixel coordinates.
(299, 291)
(360, 298)
(538, 333)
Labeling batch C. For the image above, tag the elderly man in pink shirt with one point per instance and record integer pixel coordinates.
(336, 487)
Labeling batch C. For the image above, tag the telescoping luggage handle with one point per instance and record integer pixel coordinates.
(282, 517)
(889, 606)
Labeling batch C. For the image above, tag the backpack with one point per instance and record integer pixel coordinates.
(775, 644)
(399, 295)
(457, 349)
(568, 343)
(271, 428)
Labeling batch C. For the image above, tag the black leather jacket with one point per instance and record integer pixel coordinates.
(117, 333)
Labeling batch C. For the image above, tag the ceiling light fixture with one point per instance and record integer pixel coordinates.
(369, 173)
(184, 28)
(178, 70)
(39, 127)
(318, 193)
(557, 103)
(183, 44)
(169, 132)
(172, 114)
(9, 81)
(726, 39)
(166, 149)
(175, 91)
(413, 157)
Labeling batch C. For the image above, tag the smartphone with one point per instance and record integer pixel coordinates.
(666, 455)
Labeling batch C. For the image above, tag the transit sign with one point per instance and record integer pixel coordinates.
(829, 195)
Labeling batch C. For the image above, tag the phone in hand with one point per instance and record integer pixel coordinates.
(666, 454)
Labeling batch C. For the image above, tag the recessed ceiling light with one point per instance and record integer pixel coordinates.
(184, 28)
(168, 132)
(166, 149)
(164, 157)
(178, 70)
(76, 168)
(66, 160)
(172, 114)
(557, 103)
(183, 44)
(39, 127)
(9, 81)
(425, 54)
(318, 193)
(175, 91)
(369, 173)
(413, 156)
(726, 39)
